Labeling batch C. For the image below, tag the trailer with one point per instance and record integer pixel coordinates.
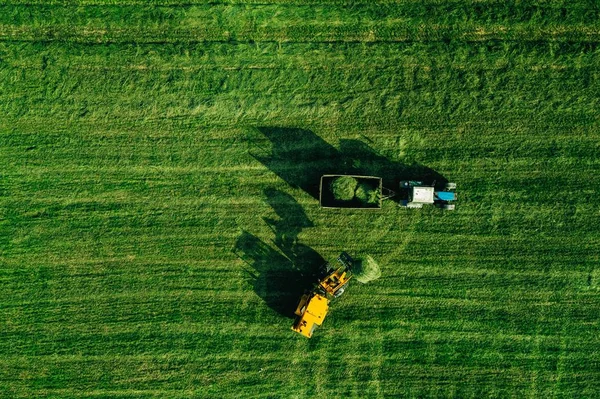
(368, 192)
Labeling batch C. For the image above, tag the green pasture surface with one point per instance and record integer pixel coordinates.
(156, 218)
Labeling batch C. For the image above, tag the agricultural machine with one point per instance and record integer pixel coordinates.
(313, 306)
(367, 192)
(415, 194)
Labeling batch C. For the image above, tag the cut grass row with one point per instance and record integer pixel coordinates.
(277, 15)
(491, 55)
(498, 82)
(410, 21)
(351, 33)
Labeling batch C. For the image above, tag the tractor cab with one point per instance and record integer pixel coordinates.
(420, 195)
(416, 194)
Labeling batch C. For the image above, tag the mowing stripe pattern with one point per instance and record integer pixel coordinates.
(157, 208)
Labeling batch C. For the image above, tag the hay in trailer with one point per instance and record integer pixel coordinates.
(343, 188)
(367, 194)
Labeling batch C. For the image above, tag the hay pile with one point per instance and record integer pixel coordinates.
(367, 194)
(343, 188)
(346, 188)
(367, 270)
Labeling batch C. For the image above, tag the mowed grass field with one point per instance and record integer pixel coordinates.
(157, 219)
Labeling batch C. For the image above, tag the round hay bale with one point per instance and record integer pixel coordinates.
(367, 270)
(367, 194)
(343, 188)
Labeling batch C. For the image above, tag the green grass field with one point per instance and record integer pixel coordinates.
(157, 212)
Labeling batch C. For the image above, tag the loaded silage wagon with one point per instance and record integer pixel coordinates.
(352, 192)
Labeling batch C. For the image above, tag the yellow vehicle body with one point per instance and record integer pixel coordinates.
(311, 312)
(335, 281)
(313, 306)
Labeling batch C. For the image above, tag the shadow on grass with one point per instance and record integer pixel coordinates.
(300, 157)
(366, 161)
(280, 276)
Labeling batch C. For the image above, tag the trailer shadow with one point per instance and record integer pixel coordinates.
(300, 157)
(280, 274)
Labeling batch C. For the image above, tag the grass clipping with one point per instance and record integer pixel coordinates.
(367, 194)
(367, 270)
(343, 188)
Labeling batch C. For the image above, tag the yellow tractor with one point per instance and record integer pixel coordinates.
(313, 306)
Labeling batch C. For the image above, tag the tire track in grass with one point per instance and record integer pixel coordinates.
(307, 24)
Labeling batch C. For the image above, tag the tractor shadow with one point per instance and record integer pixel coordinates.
(280, 276)
(300, 157)
(366, 161)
